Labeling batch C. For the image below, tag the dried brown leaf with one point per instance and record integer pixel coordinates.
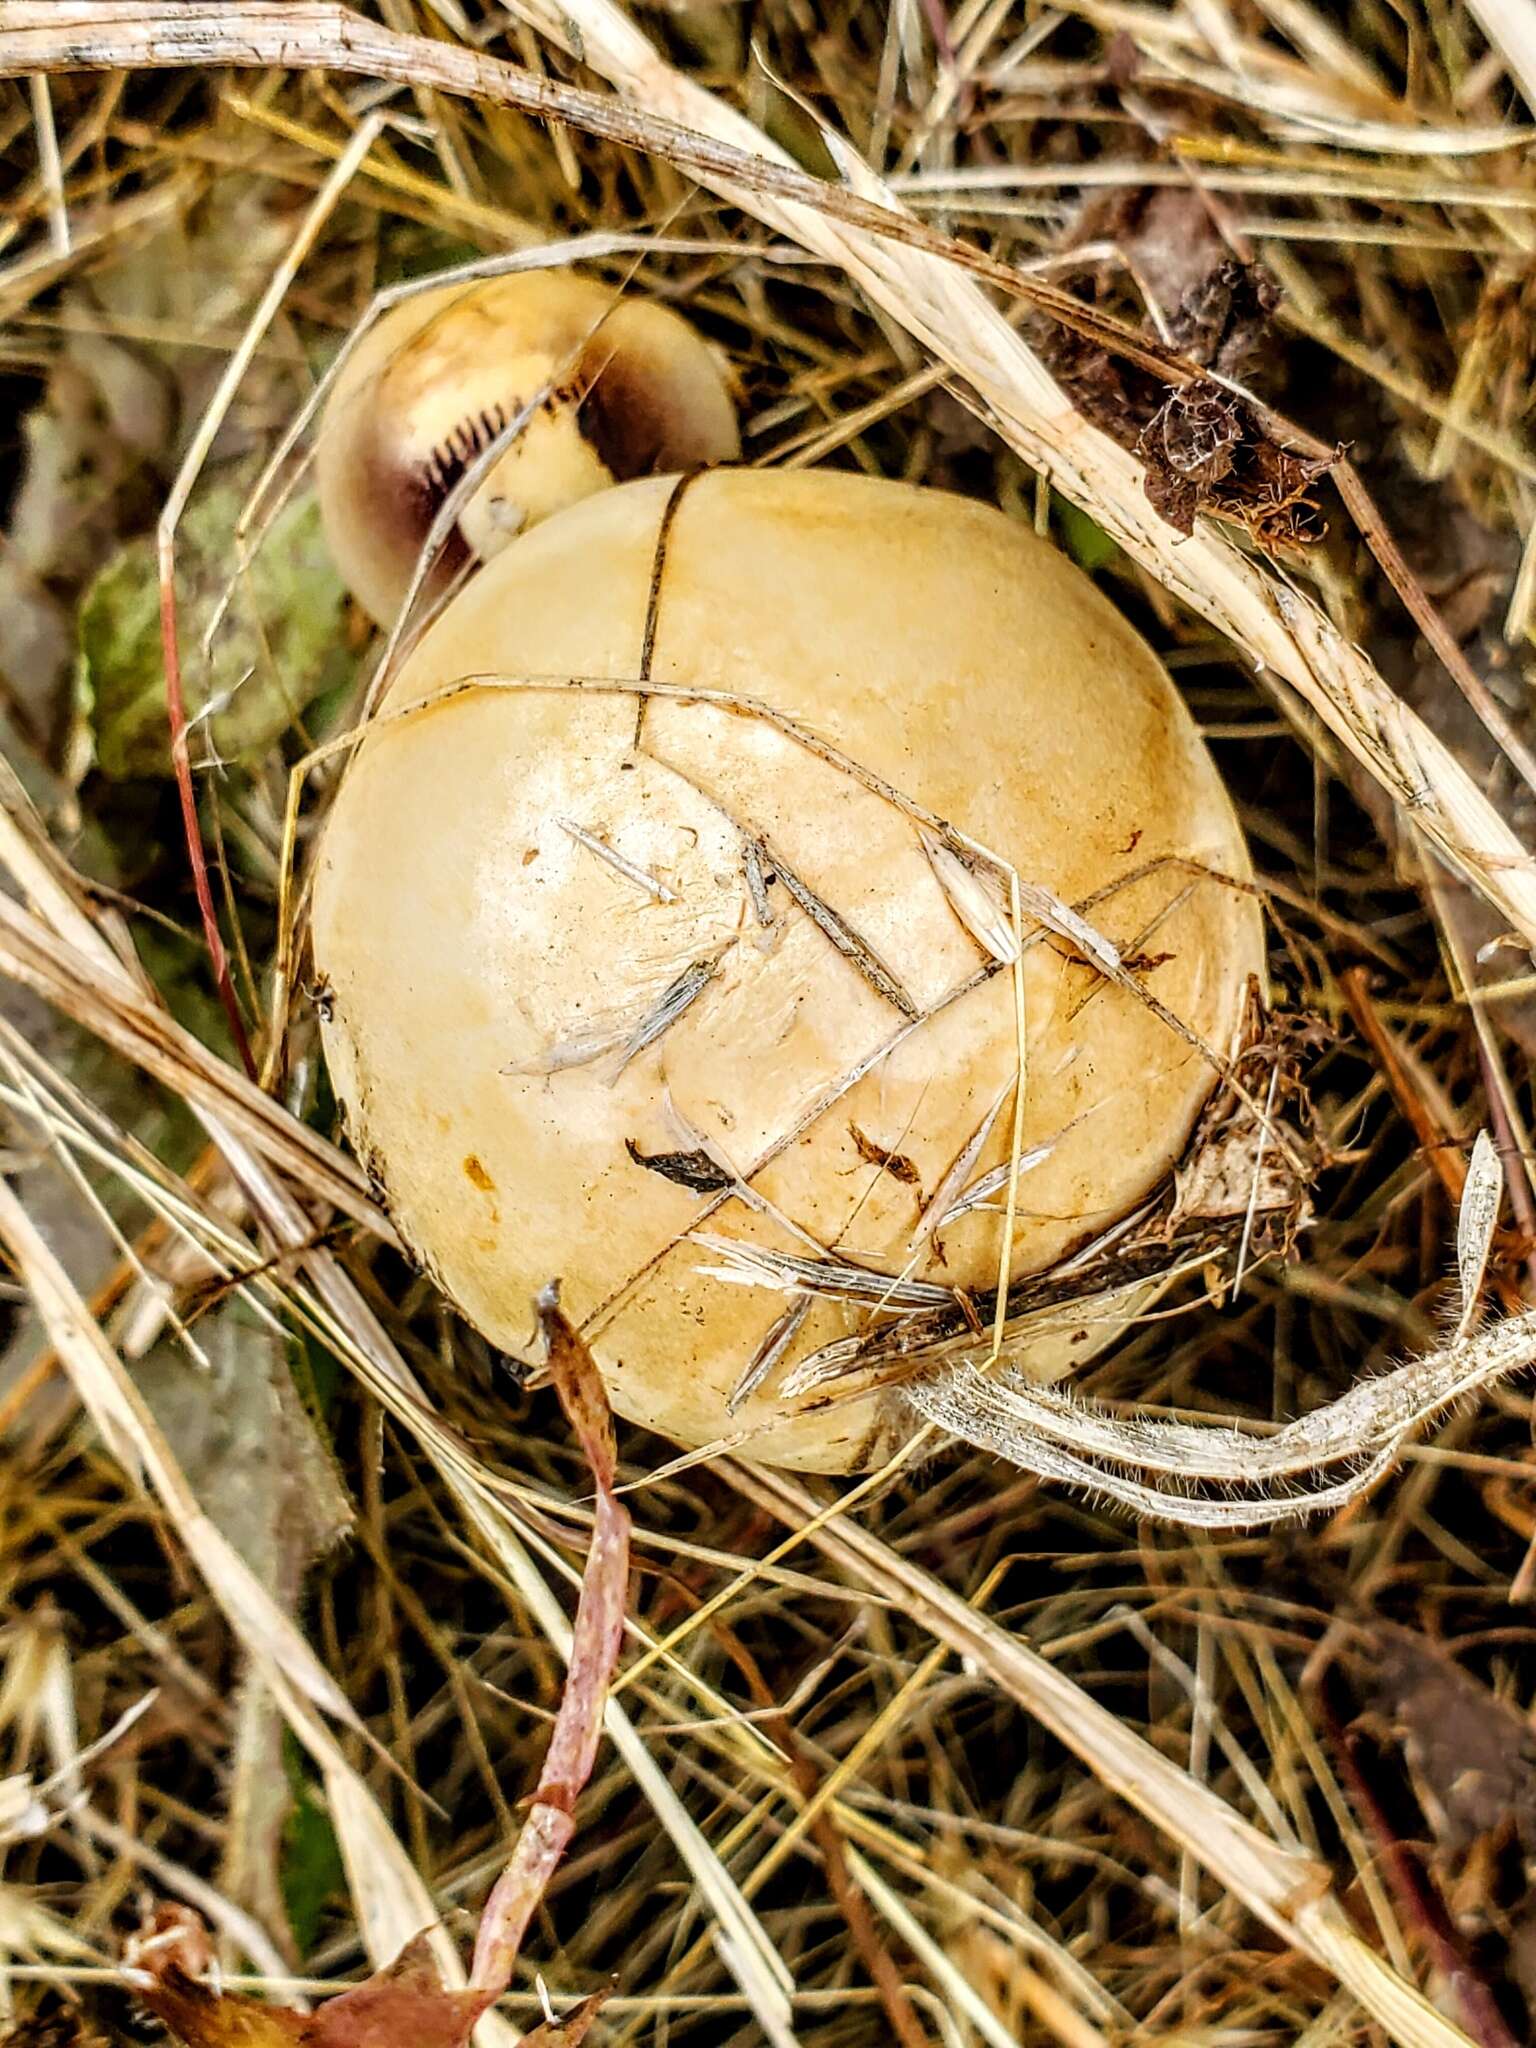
(1206, 451)
(569, 2030)
(50, 2030)
(695, 1170)
(1473, 1755)
(404, 2006)
(201, 2018)
(896, 1164)
(1225, 319)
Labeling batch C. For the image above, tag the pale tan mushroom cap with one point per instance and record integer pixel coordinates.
(632, 391)
(488, 969)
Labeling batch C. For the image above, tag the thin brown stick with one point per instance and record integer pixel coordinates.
(1441, 1151)
(1362, 508)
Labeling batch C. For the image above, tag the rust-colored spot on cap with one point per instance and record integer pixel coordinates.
(475, 1173)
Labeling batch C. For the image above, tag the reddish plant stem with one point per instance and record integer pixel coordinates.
(596, 1640)
(1442, 1153)
(1418, 1896)
(181, 763)
(887, 1979)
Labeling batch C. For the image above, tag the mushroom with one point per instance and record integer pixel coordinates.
(664, 914)
(587, 388)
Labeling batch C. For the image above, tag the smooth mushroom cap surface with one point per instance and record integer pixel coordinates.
(622, 388)
(566, 1040)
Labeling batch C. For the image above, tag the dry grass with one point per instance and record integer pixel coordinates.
(287, 1560)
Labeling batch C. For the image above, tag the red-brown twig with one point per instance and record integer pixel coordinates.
(1417, 1893)
(176, 715)
(595, 1646)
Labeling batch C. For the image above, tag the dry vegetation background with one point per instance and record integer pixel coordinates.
(286, 1557)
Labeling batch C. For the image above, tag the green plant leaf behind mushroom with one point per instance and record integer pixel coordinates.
(281, 644)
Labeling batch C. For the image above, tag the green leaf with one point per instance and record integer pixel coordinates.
(281, 644)
(319, 1376)
(1083, 538)
(312, 1871)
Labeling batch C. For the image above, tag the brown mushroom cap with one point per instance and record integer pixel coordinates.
(632, 391)
(559, 1024)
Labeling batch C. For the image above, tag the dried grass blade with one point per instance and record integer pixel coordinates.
(648, 884)
(983, 911)
(1288, 1889)
(935, 1957)
(676, 1000)
(952, 1181)
(745, 1264)
(1511, 28)
(1064, 921)
(835, 927)
(115, 1405)
(1476, 1222)
(129, 1020)
(781, 1333)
